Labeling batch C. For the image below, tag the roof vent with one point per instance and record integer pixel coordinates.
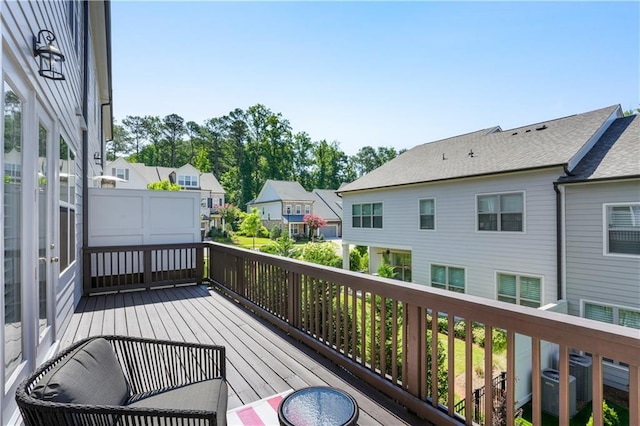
(514, 133)
(443, 157)
(527, 131)
(544, 126)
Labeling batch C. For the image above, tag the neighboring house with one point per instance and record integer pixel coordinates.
(54, 133)
(484, 213)
(601, 233)
(284, 204)
(138, 176)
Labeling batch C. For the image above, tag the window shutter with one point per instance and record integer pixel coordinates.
(113, 171)
(126, 174)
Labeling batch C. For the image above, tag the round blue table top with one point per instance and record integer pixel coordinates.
(318, 406)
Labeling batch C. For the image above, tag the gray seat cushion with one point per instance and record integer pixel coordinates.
(207, 395)
(90, 375)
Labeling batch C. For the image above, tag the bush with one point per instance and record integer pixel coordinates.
(459, 329)
(386, 271)
(322, 254)
(263, 232)
(499, 340)
(443, 325)
(364, 261)
(478, 335)
(609, 416)
(275, 232)
(362, 250)
(354, 260)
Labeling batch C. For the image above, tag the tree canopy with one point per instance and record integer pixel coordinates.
(243, 149)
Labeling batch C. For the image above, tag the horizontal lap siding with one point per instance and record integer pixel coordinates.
(456, 241)
(590, 274)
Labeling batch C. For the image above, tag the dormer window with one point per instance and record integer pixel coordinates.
(188, 181)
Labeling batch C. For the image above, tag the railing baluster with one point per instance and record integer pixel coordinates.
(511, 375)
(536, 382)
(488, 374)
(468, 377)
(451, 363)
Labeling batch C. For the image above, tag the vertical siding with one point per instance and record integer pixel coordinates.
(590, 274)
(455, 241)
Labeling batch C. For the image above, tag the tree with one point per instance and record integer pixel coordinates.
(322, 254)
(173, 129)
(119, 144)
(251, 224)
(134, 125)
(632, 112)
(313, 222)
(230, 214)
(153, 131)
(163, 185)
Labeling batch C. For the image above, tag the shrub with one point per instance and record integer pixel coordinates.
(364, 261)
(609, 416)
(386, 271)
(354, 260)
(478, 335)
(275, 232)
(263, 232)
(322, 254)
(459, 329)
(499, 340)
(443, 325)
(361, 249)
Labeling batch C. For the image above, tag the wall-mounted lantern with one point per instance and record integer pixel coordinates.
(50, 57)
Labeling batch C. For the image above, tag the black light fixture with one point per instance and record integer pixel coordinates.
(50, 57)
(97, 158)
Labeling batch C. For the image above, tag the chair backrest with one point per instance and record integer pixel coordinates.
(91, 375)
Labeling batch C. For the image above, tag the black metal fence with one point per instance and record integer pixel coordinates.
(498, 386)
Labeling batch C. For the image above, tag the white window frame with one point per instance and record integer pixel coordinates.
(605, 230)
(616, 315)
(307, 209)
(188, 181)
(420, 214)
(524, 212)
(447, 285)
(372, 203)
(518, 275)
(298, 209)
(121, 173)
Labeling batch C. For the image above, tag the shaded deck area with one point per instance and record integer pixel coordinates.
(261, 360)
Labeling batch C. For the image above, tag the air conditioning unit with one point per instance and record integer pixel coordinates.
(551, 392)
(580, 368)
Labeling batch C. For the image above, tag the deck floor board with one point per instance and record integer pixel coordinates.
(261, 360)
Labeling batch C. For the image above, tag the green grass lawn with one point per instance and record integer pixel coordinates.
(247, 242)
(580, 419)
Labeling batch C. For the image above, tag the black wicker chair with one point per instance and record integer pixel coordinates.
(114, 380)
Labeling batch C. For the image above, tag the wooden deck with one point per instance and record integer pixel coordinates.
(261, 360)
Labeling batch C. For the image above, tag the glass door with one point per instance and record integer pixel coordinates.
(46, 246)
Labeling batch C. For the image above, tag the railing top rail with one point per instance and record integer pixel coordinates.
(609, 340)
(99, 249)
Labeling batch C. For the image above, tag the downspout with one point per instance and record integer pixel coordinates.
(559, 237)
(559, 257)
(85, 131)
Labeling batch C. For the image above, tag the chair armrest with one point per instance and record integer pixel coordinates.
(152, 364)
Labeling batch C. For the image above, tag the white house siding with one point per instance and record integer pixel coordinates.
(591, 275)
(62, 102)
(269, 211)
(455, 241)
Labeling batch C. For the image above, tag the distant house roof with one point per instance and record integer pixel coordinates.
(489, 151)
(616, 155)
(280, 190)
(328, 205)
(209, 182)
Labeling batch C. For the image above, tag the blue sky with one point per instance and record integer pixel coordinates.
(376, 73)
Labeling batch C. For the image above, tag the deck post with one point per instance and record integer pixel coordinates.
(200, 264)
(86, 272)
(146, 259)
(414, 333)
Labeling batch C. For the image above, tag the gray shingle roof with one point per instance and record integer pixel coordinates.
(328, 205)
(616, 155)
(489, 151)
(285, 191)
(209, 182)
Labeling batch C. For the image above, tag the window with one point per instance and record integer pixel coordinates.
(501, 212)
(366, 215)
(67, 205)
(520, 290)
(122, 174)
(611, 314)
(186, 180)
(427, 214)
(298, 209)
(623, 229)
(288, 209)
(307, 209)
(448, 278)
(12, 222)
